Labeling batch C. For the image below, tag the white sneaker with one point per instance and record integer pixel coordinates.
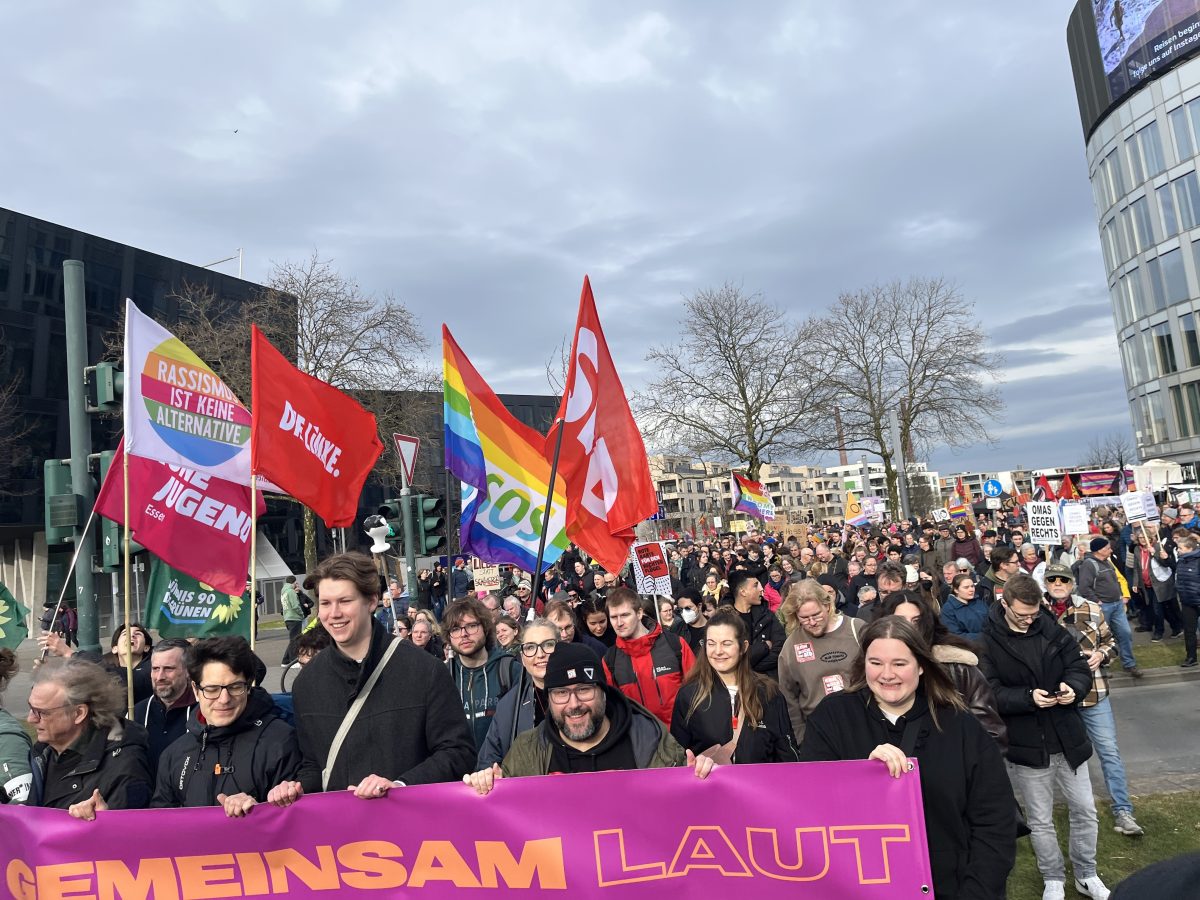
(1092, 887)
(1054, 890)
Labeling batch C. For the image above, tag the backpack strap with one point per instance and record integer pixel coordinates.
(352, 714)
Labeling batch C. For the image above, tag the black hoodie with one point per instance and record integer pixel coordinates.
(614, 753)
(251, 755)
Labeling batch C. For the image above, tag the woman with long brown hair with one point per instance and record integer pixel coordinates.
(901, 704)
(726, 710)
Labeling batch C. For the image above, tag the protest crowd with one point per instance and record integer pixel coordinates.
(984, 657)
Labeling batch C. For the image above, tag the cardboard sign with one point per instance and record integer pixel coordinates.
(1139, 506)
(1043, 523)
(941, 515)
(1074, 517)
(487, 578)
(650, 568)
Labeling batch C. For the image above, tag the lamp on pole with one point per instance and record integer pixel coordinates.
(237, 256)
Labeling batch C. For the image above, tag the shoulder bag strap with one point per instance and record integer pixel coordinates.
(352, 714)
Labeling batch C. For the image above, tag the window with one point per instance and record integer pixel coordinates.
(1192, 392)
(1191, 347)
(1187, 199)
(1135, 358)
(1158, 417)
(1181, 413)
(1183, 135)
(1164, 347)
(1166, 203)
(1143, 232)
(1173, 278)
(1137, 296)
(1115, 175)
(1135, 160)
(1150, 146)
(1152, 370)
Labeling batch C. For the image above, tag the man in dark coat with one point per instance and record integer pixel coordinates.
(766, 633)
(166, 714)
(1039, 676)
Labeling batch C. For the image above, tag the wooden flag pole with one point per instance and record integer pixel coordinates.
(128, 592)
(253, 557)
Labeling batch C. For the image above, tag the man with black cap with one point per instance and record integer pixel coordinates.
(1097, 581)
(591, 727)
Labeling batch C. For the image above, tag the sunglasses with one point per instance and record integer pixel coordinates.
(1058, 579)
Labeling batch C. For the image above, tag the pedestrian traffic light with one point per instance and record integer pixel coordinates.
(392, 510)
(62, 504)
(429, 521)
(110, 535)
(105, 387)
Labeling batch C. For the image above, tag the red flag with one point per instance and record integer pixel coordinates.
(1066, 490)
(194, 522)
(1043, 491)
(312, 440)
(603, 459)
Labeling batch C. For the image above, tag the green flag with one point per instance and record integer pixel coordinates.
(13, 615)
(177, 605)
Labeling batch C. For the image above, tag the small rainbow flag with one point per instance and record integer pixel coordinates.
(504, 474)
(750, 498)
(958, 512)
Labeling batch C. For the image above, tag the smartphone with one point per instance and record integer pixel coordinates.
(1058, 693)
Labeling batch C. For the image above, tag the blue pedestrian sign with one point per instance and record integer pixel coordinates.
(991, 488)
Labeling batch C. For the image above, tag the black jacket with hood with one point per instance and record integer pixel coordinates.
(771, 740)
(249, 756)
(112, 761)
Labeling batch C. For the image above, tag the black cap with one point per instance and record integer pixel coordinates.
(573, 664)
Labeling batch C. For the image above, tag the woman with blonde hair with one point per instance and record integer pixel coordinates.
(821, 647)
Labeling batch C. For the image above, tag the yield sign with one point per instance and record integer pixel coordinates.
(406, 448)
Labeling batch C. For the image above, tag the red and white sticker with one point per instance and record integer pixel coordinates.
(833, 684)
(804, 652)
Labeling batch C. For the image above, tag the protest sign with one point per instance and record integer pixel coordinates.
(858, 835)
(1134, 506)
(1074, 517)
(486, 577)
(1043, 522)
(941, 515)
(650, 568)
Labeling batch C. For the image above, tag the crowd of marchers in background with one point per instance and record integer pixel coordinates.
(986, 658)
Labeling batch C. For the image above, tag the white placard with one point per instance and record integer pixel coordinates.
(941, 515)
(1043, 523)
(993, 502)
(1134, 505)
(1074, 517)
(650, 570)
(486, 578)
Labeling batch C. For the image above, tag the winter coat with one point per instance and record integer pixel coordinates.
(965, 619)
(764, 627)
(411, 728)
(460, 582)
(970, 811)
(649, 669)
(1016, 663)
(481, 688)
(112, 761)
(811, 668)
(249, 756)
(1097, 580)
(771, 740)
(1187, 578)
(515, 713)
(15, 775)
(651, 743)
(968, 550)
(290, 603)
(164, 726)
(944, 548)
(962, 665)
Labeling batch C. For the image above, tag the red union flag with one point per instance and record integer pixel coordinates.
(312, 440)
(195, 522)
(603, 459)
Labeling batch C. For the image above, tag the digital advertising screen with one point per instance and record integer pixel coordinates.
(1139, 37)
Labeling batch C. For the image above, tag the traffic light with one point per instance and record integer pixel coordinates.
(62, 504)
(392, 510)
(110, 534)
(429, 521)
(105, 387)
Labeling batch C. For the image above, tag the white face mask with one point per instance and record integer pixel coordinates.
(688, 616)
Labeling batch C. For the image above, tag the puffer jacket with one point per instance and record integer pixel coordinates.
(1187, 578)
(649, 669)
(112, 761)
(250, 756)
(515, 713)
(15, 774)
(963, 667)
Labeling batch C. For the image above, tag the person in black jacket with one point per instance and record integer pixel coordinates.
(725, 710)
(902, 704)
(238, 748)
(1038, 676)
(524, 706)
(766, 633)
(413, 703)
(87, 758)
(166, 713)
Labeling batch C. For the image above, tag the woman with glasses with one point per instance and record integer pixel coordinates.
(15, 777)
(238, 748)
(727, 711)
(403, 627)
(524, 706)
(425, 634)
(821, 648)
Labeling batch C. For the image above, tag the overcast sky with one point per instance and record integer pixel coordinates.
(476, 160)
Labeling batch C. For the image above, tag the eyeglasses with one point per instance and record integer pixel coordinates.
(1058, 579)
(1024, 617)
(546, 646)
(584, 693)
(810, 619)
(468, 628)
(213, 691)
(37, 714)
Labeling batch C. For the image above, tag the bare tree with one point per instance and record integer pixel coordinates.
(1109, 450)
(330, 328)
(14, 427)
(738, 387)
(914, 347)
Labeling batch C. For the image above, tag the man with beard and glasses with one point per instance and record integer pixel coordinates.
(591, 727)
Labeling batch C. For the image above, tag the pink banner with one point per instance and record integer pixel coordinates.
(797, 830)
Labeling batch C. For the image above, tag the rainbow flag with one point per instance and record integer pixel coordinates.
(958, 511)
(750, 498)
(500, 464)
